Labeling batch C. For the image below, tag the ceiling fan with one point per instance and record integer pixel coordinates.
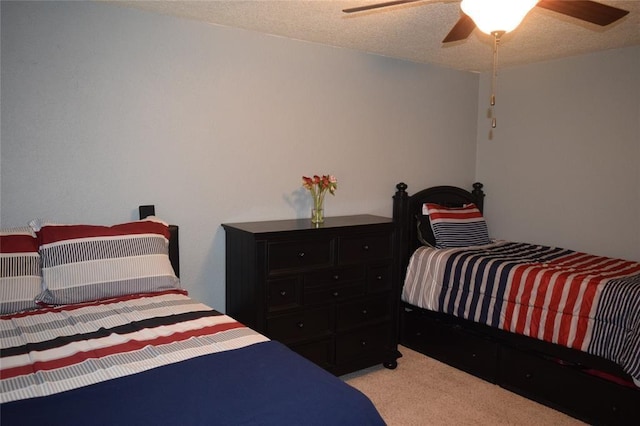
(472, 10)
(497, 17)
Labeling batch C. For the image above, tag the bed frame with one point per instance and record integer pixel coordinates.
(174, 251)
(553, 375)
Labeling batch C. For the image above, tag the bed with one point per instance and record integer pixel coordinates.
(555, 325)
(96, 329)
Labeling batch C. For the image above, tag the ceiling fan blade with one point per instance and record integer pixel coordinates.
(461, 30)
(377, 6)
(590, 11)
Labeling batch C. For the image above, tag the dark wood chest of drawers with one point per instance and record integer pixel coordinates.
(328, 292)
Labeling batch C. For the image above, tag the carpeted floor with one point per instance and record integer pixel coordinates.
(423, 391)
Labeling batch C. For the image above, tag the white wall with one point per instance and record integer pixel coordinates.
(563, 166)
(105, 108)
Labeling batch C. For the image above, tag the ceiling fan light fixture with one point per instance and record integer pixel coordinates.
(493, 16)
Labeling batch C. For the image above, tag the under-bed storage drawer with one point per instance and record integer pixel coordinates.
(450, 344)
(550, 383)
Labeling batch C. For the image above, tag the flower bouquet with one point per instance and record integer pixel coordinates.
(318, 187)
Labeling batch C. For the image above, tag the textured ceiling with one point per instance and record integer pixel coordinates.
(414, 31)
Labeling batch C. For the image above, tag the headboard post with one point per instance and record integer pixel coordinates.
(401, 243)
(146, 211)
(174, 249)
(479, 194)
(400, 201)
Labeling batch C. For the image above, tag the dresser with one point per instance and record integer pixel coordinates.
(329, 292)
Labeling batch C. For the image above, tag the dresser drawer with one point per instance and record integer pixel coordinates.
(366, 342)
(364, 248)
(304, 325)
(338, 293)
(299, 254)
(285, 293)
(319, 352)
(360, 312)
(333, 277)
(379, 278)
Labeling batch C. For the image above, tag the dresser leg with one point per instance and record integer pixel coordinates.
(391, 365)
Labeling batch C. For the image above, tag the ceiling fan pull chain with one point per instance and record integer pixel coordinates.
(494, 76)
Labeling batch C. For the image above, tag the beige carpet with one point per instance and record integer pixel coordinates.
(423, 391)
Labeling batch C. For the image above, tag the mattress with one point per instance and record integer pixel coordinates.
(160, 358)
(581, 301)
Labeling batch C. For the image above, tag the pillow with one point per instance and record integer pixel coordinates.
(457, 227)
(20, 273)
(82, 263)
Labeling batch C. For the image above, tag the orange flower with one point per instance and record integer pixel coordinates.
(319, 185)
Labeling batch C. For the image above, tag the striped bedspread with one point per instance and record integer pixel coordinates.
(52, 350)
(586, 302)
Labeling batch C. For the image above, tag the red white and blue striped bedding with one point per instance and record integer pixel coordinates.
(54, 350)
(96, 362)
(581, 301)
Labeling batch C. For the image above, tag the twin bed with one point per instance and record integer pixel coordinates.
(555, 325)
(114, 339)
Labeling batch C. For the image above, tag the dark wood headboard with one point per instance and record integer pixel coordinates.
(411, 224)
(174, 249)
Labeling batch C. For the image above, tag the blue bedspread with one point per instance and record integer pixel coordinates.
(262, 384)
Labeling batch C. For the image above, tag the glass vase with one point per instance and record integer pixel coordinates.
(317, 212)
(317, 215)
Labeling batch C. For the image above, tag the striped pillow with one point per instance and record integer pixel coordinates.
(457, 227)
(82, 263)
(20, 273)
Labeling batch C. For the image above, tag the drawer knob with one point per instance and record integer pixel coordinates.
(336, 277)
(336, 294)
(528, 375)
(365, 247)
(283, 293)
(300, 324)
(379, 278)
(364, 312)
(363, 343)
(474, 355)
(301, 254)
